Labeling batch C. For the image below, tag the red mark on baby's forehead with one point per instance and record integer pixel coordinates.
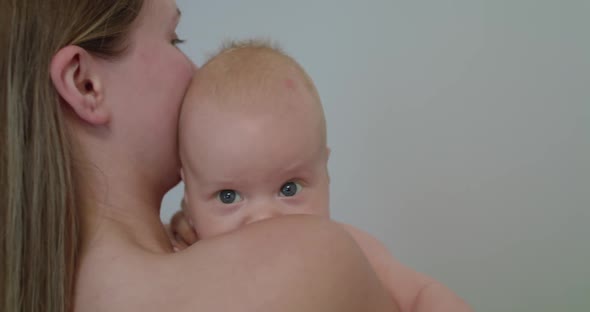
(290, 84)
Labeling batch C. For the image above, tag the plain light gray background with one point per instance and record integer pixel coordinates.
(460, 131)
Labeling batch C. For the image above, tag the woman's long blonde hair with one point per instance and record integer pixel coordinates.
(39, 197)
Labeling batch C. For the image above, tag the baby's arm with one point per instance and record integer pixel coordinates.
(413, 291)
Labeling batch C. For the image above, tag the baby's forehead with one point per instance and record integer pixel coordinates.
(282, 92)
(250, 81)
(251, 65)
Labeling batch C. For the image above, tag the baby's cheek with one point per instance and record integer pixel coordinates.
(205, 229)
(322, 204)
(315, 207)
(211, 227)
(202, 233)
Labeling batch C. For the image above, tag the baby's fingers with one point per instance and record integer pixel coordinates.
(176, 244)
(182, 231)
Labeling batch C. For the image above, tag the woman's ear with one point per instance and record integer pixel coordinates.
(75, 75)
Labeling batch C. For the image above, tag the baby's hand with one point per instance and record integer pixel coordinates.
(181, 232)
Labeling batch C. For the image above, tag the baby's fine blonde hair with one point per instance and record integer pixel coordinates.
(250, 66)
(242, 75)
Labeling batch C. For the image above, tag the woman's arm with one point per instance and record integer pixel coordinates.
(413, 291)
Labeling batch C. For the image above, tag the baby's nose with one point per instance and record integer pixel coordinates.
(262, 212)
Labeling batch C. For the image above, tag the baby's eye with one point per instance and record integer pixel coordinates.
(290, 189)
(229, 196)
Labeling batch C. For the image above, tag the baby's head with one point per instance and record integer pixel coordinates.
(252, 141)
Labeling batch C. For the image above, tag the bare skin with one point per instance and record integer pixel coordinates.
(296, 263)
(123, 113)
(245, 135)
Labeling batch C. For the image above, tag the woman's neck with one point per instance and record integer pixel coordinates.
(121, 208)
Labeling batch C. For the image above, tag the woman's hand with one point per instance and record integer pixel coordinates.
(180, 230)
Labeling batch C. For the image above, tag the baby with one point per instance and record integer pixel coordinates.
(253, 146)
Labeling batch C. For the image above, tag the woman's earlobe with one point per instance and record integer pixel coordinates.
(79, 85)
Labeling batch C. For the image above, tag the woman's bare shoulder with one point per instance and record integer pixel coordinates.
(287, 264)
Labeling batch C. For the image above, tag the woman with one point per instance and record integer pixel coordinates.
(90, 93)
